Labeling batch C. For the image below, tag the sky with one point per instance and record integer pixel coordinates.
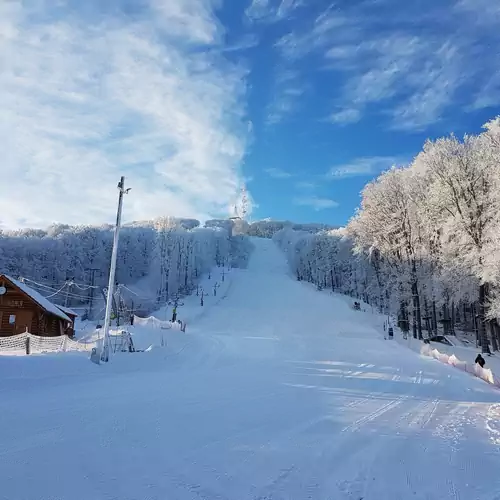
(301, 101)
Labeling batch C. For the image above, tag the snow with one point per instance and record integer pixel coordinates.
(274, 392)
(39, 299)
(191, 309)
(67, 310)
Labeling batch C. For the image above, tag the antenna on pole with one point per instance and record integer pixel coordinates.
(112, 271)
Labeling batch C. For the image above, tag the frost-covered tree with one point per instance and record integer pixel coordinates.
(388, 224)
(156, 259)
(464, 197)
(425, 243)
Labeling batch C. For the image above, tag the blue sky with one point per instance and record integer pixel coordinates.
(304, 101)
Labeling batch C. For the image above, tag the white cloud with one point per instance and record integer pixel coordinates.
(489, 95)
(421, 75)
(246, 42)
(305, 185)
(342, 52)
(277, 173)
(83, 103)
(272, 11)
(345, 116)
(363, 167)
(315, 202)
(286, 8)
(434, 89)
(482, 11)
(295, 45)
(287, 90)
(413, 72)
(190, 20)
(258, 9)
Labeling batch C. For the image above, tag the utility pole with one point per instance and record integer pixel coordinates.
(91, 293)
(118, 302)
(69, 284)
(112, 271)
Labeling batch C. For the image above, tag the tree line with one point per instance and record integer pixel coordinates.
(157, 259)
(165, 257)
(424, 244)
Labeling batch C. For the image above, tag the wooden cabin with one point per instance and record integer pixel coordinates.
(72, 315)
(22, 308)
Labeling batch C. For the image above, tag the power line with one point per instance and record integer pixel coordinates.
(37, 288)
(33, 283)
(48, 296)
(92, 288)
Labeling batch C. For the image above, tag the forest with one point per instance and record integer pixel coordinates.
(425, 243)
(165, 257)
(157, 260)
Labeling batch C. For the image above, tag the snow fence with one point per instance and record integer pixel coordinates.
(474, 369)
(27, 343)
(152, 322)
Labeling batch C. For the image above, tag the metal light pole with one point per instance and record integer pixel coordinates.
(112, 271)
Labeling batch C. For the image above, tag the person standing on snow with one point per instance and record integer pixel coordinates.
(480, 361)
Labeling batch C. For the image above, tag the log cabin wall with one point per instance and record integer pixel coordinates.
(18, 312)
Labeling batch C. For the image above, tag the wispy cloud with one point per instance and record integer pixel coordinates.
(418, 73)
(315, 202)
(483, 11)
(288, 88)
(191, 20)
(412, 71)
(349, 115)
(363, 167)
(489, 94)
(315, 36)
(272, 10)
(258, 9)
(248, 41)
(84, 102)
(305, 185)
(278, 173)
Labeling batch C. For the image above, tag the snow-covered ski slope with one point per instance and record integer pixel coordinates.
(278, 392)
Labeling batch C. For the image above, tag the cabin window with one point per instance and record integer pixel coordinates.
(12, 319)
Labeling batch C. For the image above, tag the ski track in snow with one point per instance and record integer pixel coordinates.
(276, 392)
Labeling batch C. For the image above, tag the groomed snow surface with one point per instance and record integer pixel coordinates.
(275, 392)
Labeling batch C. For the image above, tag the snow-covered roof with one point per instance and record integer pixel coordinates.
(67, 310)
(38, 298)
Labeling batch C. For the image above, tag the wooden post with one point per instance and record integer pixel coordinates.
(494, 344)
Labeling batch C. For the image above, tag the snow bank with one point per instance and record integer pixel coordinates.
(474, 369)
(153, 322)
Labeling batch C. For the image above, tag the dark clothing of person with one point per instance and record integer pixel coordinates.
(480, 361)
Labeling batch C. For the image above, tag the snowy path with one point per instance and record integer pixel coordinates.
(280, 393)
